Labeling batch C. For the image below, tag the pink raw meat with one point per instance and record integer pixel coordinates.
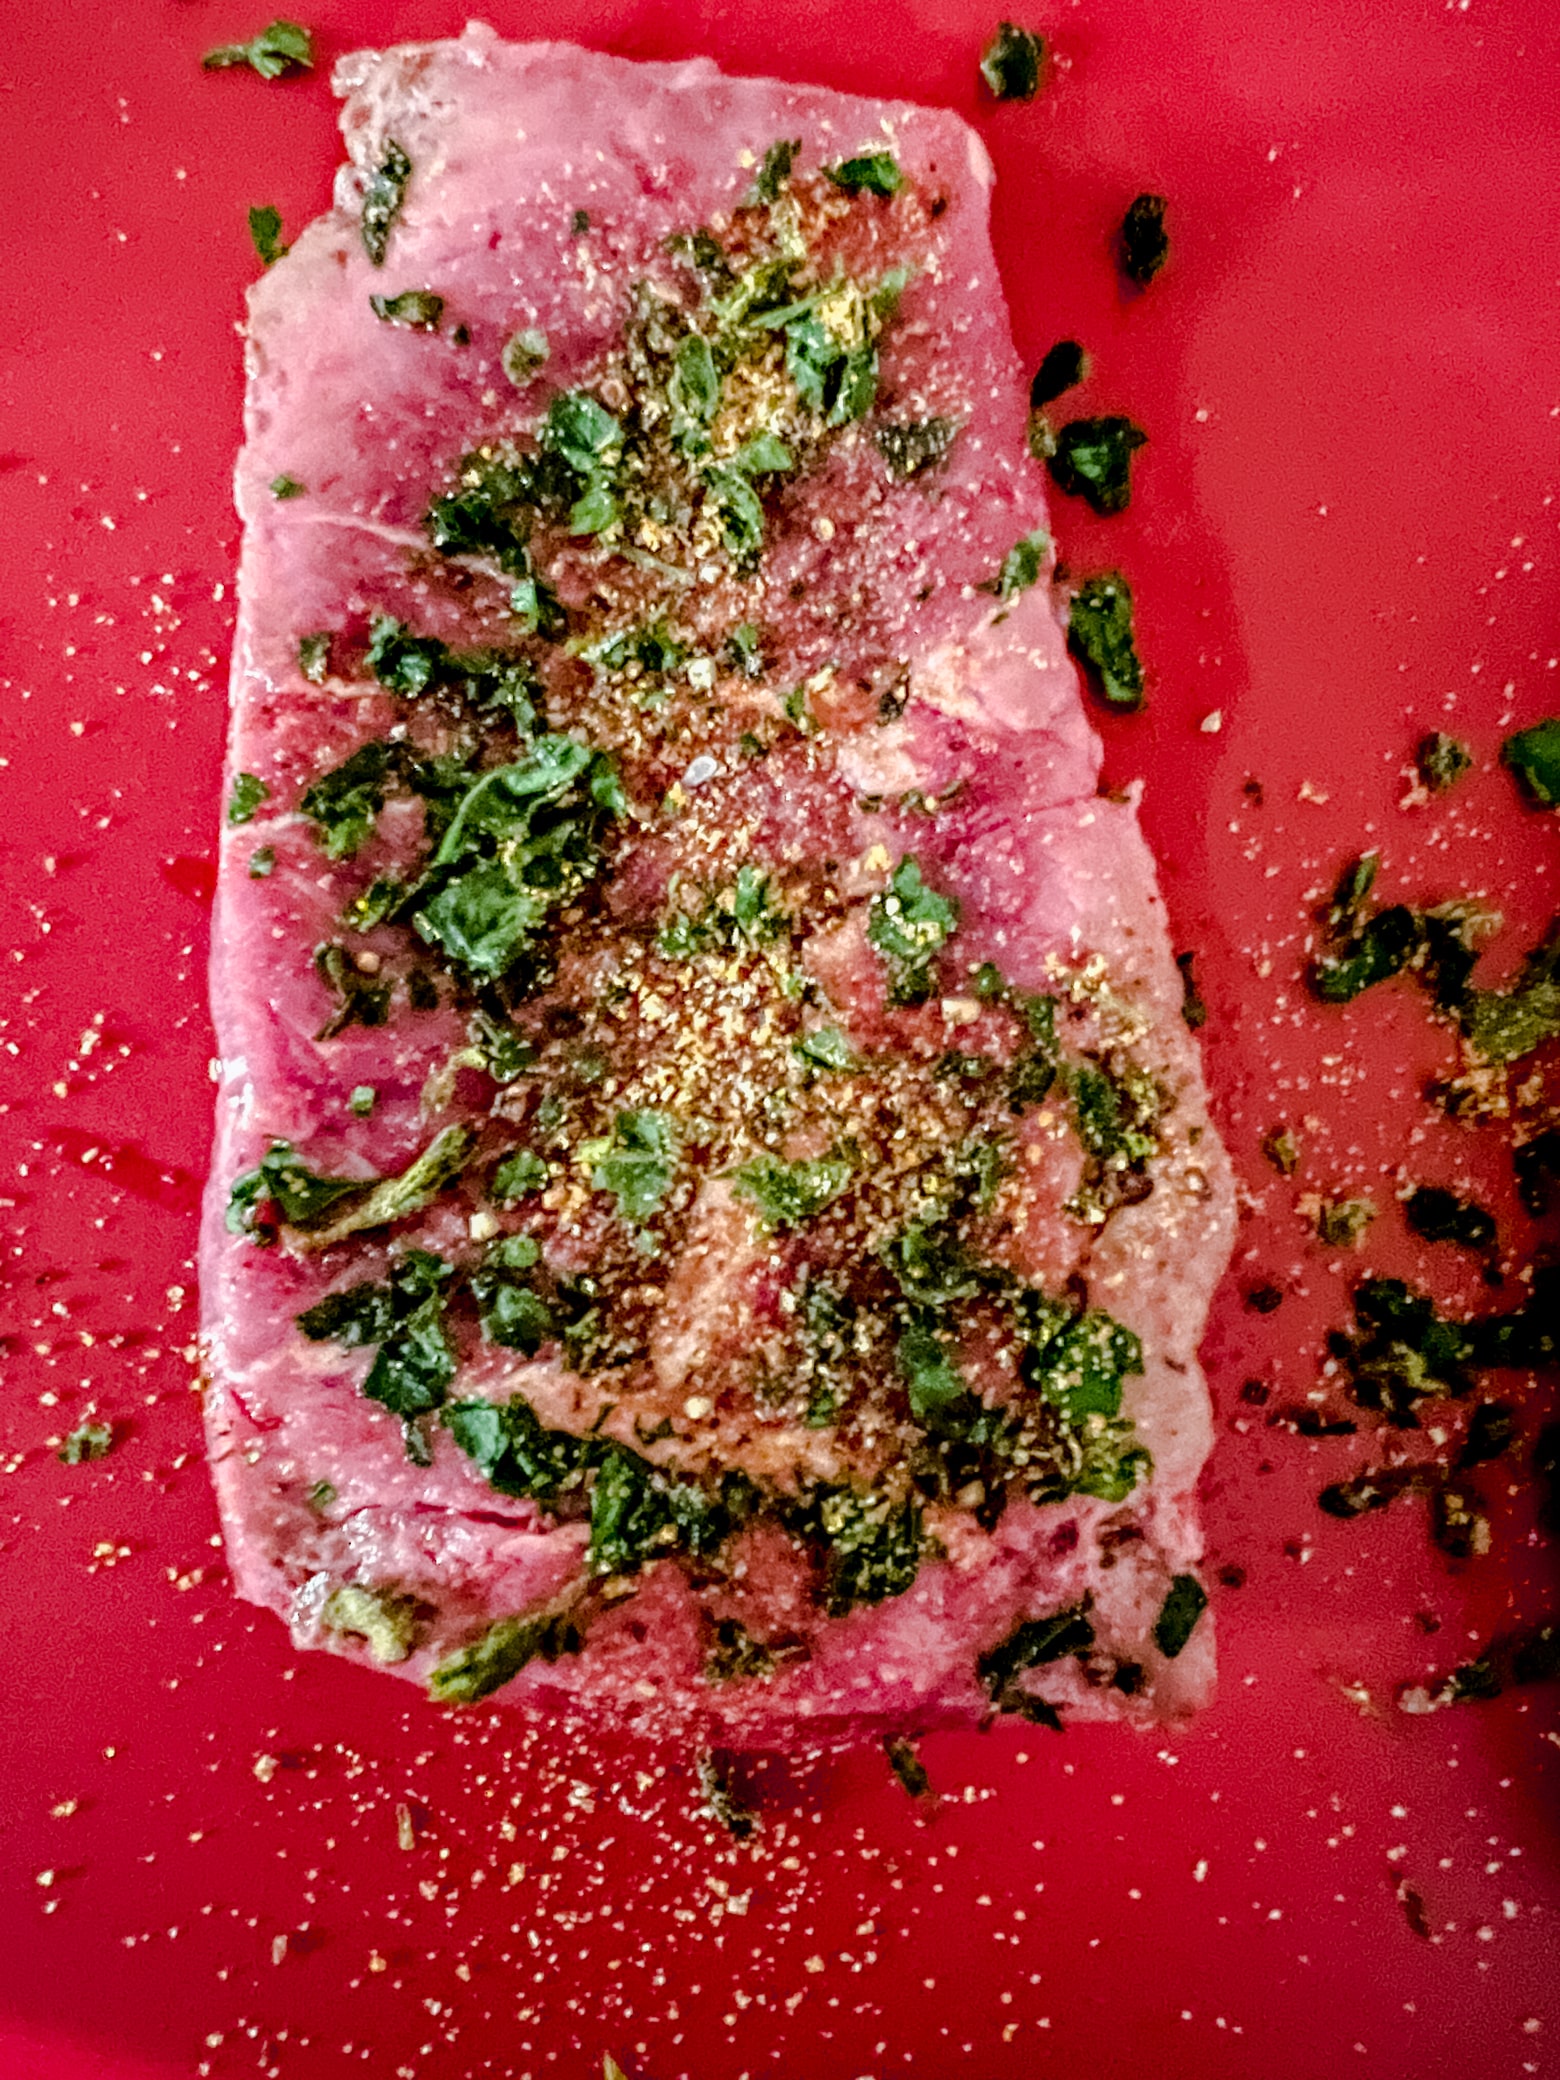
(894, 703)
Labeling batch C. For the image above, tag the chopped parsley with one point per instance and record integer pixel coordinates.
(789, 1194)
(1442, 761)
(1100, 635)
(359, 999)
(1034, 1643)
(1023, 563)
(1365, 948)
(1064, 367)
(1010, 63)
(1341, 1223)
(1502, 1025)
(265, 230)
(387, 1621)
(1091, 459)
(907, 1765)
(518, 1176)
(383, 199)
(1440, 1215)
(1144, 243)
(1534, 756)
(1282, 1148)
(827, 1048)
(773, 174)
(870, 173)
(1193, 1009)
(281, 48)
(262, 862)
(285, 487)
(280, 1190)
(497, 1656)
(909, 924)
(88, 1440)
(314, 657)
(873, 1545)
(414, 1362)
(1184, 1604)
(419, 310)
(249, 792)
(915, 446)
(525, 354)
(362, 1100)
(636, 1164)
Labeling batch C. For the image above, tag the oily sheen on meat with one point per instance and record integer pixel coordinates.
(714, 1206)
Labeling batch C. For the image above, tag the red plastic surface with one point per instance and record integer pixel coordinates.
(217, 1858)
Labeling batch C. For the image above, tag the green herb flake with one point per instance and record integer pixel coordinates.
(262, 862)
(518, 1176)
(1091, 459)
(907, 1765)
(281, 48)
(1064, 367)
(314, 657)
(1341, 1223)
(394, 1198)
(1442, 761)
(344, 803)
(636, 1164)
(874, 1547)
(387, 1621)
(1100, 636)
(362, 1100)
(320, 1496)
(916, 446)
(775, 171)
(827, 1049)
(1502, 1025)
(383, 199)
(936, 1387)
(1534, 756)
(1033, 1643)
(88, 1440)
(1440, 1215)
(265, 231)
(1184, 1604)
(287, 487)
(870, 173)
(498, 1655)
(1010, 63)
(579, 223)
(1144, 243)
(1023, 563)
(909, 924)
(1193, 1009)
(525, 354)
(249, 792)
(418, 310)
(789, 1194)
(1282, 1149)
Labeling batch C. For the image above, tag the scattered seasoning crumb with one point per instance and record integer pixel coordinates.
(1339, 1223)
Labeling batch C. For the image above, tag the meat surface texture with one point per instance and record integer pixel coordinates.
(714, 1207)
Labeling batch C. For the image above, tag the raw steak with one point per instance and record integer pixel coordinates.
(714, 1207)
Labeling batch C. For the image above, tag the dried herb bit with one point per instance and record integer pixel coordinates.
(497, 1656)
(776, 169)
(907, 1765)
(636, 1163)
(871, 173)
(873, 1547)
(249, 791)
(1502, 1025)
(1091, 459)
(1178, 1615)
(404, 1317)
(1534, 756)
(909, 924)
(912, 448)
(262, 862)
(1100, 636)
(1442, 761)
(716, 1773)
(1440, 1216)
(87, 1441)
(518, 1176)
(1065, 366)
(1401, 1351)
(1034, 1644)
(525, 355)
(314, 657)
(394, 1198)
(1458, 1524)
(419, 310)
(1371, 1490)
(282, 48)
(826, 1049)
(1341, 1223)
(1022, 565)
(1144, 244)
(1010, 63)
(285, 487)
(265, 231)
(1365, 949)
(280, 1188)
(388, 1622)
(735, 1656)
(1491, 1432)
(1282, 1149)
(383, 198)
(789, 1194)
(1193, 1008)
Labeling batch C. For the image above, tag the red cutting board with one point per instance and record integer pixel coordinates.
(217, 1858)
